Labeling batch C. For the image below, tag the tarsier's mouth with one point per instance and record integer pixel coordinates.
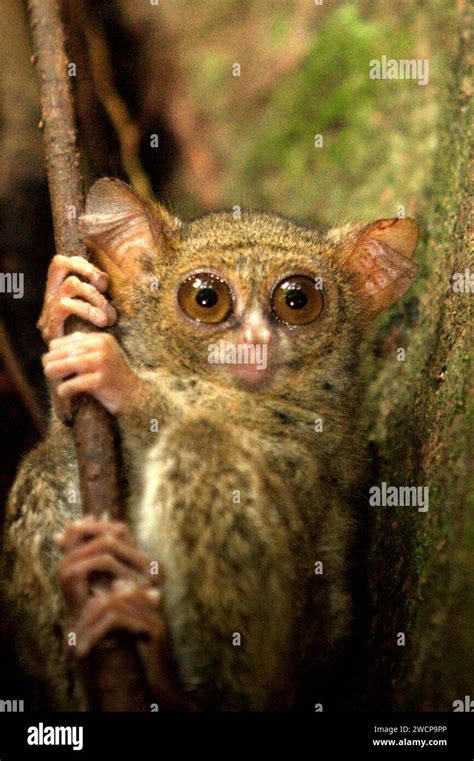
(252, 376)
(250, 364)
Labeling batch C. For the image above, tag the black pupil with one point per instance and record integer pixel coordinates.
(206, 297)
(296, 299)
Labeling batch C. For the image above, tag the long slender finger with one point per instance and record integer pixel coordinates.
(67, 306)
(61, 266)
(146, 600)
(70, 365)
(106, 613)
(122, 549)
(89, 527)
(74, 577)
(80, 384)
(52, 321)
(70, 350)
(74, 343)
(75, 288)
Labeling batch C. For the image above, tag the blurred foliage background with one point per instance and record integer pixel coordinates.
(304, 71)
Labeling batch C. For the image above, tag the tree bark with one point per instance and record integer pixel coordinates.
(424, 423)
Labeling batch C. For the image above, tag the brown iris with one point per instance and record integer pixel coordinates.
(205, 297)
(297, 301)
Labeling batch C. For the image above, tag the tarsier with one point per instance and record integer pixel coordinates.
(240, 479)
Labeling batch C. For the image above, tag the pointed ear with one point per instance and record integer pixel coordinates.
(378, 259)
(126, 234)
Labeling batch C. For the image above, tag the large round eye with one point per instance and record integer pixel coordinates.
(296, 300)
(205, 298)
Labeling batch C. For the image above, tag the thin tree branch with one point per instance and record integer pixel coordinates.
(113, 673)
(127, 131)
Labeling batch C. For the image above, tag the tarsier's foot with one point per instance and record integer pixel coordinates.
(95, 548)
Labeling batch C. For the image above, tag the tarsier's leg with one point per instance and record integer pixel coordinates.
(41, 504)
(99, 547)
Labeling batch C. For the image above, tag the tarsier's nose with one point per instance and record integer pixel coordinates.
(253, 346)
(255, 329)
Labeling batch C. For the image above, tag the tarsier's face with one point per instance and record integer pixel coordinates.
(255, 302)
(250, 315)
(255, 325)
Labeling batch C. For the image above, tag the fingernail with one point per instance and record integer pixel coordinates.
(112, 314)
(102, 281)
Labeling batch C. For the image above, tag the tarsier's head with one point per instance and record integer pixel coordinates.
(243, 298)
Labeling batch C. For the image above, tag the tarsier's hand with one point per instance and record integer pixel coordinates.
(90, 363)
(95, 548)
(67, 295)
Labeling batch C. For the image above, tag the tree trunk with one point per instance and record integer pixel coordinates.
(418, 562)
